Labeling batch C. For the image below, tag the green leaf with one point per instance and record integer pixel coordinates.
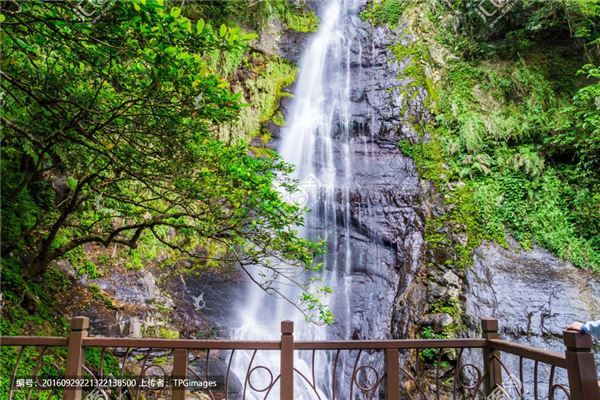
(200, 25)
(175, 11)
(249, 36)
(71, 183)
(222, 30)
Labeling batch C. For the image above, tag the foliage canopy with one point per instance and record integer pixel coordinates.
(109, 125)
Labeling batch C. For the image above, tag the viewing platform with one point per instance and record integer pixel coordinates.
(83, 367)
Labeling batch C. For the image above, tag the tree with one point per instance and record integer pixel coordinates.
(108, 124)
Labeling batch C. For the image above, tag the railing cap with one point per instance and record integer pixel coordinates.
(80, 323)
(489, 324)
(577, 341)
(287, 327)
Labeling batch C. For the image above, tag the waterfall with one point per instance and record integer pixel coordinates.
(318, 140)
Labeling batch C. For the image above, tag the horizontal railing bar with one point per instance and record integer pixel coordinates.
(33, 341)
(400, 344)
(249, 345)
(274, 345)
(544, 356)
(190, 344)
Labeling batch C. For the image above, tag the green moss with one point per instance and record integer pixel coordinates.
(161, 332)
(278, 119)
(31, 359)
(448, 307)
(431, 355)
(163, 360)
(380, 12)
(263, 93)
(406, 147)
(418, 56)
(167, 333)
(306, 21)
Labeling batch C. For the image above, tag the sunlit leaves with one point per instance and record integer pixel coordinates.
(200, 26)
(115, 118)
(175, 12)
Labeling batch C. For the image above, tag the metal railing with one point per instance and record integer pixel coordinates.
(468, 368)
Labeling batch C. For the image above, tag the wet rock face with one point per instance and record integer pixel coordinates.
(385, 221)
(138, 300)
(378, 192)
(533, 294)
(276, 39)
(291, 44)
(378, 95)
(203, 303)
(146, 302)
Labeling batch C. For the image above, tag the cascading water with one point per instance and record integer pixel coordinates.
(332, 152)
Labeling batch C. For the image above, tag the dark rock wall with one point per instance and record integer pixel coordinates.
(533, 294)
(386, 236)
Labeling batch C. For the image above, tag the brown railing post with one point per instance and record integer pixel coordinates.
(287, 360)
(180, 366)
(491, 358)
(581, 367)
(75, 358)
(392, 374)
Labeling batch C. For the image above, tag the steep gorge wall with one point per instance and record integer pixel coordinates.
(532, 293)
